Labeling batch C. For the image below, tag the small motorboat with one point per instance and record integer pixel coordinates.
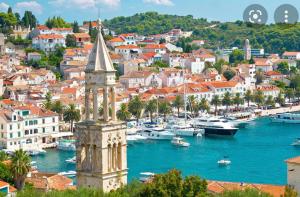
(224, 162)
(68, 173)
(146, 176)
(35, 152)
(180, 142)
(296, 142)
(71, 160)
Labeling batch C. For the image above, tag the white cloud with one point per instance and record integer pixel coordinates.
(33, 6)
(85, 4)
(160, 2)
(3, 7)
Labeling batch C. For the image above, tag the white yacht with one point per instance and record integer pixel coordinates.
(134, 137)
(215, 126)
(240, 119)
(296, 142)
(183, 128)
(177, 141)
(286, 118)
(66, 145)
(224, 162)
(71, 160)
(156, 133)
(68, 173)
(146, 176)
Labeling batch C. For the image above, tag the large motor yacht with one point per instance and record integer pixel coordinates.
(155, 132)
(215, 126)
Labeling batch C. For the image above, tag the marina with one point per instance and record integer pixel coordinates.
(257, 153)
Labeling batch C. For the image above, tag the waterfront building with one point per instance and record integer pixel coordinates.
(101, 149)
(136, 79)
(27, 127)
(269, 90)
(293, 173)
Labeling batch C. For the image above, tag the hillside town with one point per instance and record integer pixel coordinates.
(43, 86)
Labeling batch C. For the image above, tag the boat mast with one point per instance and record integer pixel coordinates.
(184, 95)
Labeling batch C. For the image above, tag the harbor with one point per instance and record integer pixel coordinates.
(257, 154)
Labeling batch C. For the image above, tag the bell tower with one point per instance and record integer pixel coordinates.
(101, 152)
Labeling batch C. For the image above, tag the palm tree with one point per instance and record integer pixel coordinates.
(280, 99)
(204, 105)
(248, 97)
(193, 105)
(135, 107)
(151, 107)
(297, 93)
(58, 107)
(48, 103)
(290, 94)
(71, 114)
(123, 114)
(259, 98)
(216, 102)
(20, 166)
(178, 103)
(270, 101)
(227, 100)
(238, 100)
(165, 108)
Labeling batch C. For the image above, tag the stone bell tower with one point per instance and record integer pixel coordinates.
(101, 150)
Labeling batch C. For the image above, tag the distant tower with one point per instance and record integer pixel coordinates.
(101, 150)
(247, 50)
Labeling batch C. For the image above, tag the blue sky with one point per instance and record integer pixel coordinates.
(221, 10)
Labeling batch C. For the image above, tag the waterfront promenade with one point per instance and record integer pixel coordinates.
(280, 110)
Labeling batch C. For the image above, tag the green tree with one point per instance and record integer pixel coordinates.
(280, 99)
(248, 97)
(75, 27)
(57, 22)
(227, 100)
(283, 67)
(193, 105)
(259, 76)
(297, 93)
(123, 114)
(135, 107)
(215, 101)
(295, 81)
(290, 94)
(229, 74)
(245, 193)
(151, 108)
(259, 98)
(6, 174)
(270, 101)
(204, 105)
(20, 167)
(70, 41)
(238, 100)
(236, 56)
(29, 20)
(3, 156)
(58, 107)
(164, 108)
(178, 103)
(71, 114)
(48, 103)
(194, 186)
(290, 192)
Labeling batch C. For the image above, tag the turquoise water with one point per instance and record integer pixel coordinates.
(257, 153)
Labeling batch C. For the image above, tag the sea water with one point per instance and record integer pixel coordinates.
(257, 153)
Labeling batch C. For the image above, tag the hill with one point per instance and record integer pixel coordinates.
(273, 38)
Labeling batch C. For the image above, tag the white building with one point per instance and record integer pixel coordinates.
(293, 173)
(27, 127)
(291, 55)
(171, 78)
(128, 51)
(195, 65)
(48, 42)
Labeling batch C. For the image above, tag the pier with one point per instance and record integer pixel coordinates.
(269, 112)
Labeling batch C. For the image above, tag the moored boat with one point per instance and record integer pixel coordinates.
(215, 126)
(71, 160)
(296, 142)
(177, 141)
(291, 118)
(66, 145)
(224, 162)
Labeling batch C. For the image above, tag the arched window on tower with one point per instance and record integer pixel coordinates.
(109, 158)
(114, 155)
(119, 156)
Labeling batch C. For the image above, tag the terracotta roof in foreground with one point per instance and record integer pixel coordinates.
(295, 160)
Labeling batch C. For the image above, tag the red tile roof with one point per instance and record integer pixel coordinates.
(295, 160)
(155, 46)
(291, 53)
(128, 47)
(82, 35)
(118, 39)
(49, 36)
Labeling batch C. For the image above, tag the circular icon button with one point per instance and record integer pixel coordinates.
(286, 14)
(255, 14)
